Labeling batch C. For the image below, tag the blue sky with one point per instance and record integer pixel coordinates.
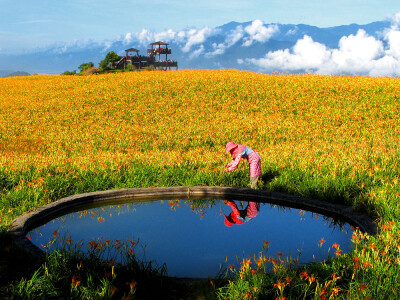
(29, 24)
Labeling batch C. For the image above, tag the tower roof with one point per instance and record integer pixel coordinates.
(159, 44)
(132, 50)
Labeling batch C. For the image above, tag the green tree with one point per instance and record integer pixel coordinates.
(85, 66)
(69, 73)
(110, 58)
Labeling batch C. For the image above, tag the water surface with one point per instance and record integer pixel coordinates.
(192, 237)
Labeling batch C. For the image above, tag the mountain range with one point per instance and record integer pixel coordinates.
(371, 49)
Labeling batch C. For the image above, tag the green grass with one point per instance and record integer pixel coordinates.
(370, 271)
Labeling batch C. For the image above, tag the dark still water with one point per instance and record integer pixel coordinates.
(195, 237)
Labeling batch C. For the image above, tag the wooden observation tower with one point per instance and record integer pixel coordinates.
(158, 49)
(155, 57)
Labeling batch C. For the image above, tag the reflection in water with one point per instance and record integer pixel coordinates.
(241, 216)
(190, 235)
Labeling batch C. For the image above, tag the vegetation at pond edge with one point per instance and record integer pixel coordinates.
(333, 138)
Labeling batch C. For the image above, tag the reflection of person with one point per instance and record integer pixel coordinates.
(241, 216)
(254, 159)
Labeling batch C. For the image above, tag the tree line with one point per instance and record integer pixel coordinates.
(104, 65)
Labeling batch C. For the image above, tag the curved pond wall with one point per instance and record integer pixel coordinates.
(24, 223)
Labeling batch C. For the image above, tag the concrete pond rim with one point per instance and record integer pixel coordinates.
(21, 225)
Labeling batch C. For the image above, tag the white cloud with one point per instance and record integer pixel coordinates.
(307, 54)
(196, 36)
(127, 38)
(259, 33)
(358, 54)
(292, 31)
(393, 38)
(60, 48)
(395, 21)
(145, 37)
(165, 35)
(197, 53)
(232, 38)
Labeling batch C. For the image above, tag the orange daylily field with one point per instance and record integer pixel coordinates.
(173, 117)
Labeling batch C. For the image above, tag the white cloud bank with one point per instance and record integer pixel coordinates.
(257, 32)
(358, 54)
(188, 39)
(192, 40)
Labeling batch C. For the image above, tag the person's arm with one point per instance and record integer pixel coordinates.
(233, 164)
(233, 206)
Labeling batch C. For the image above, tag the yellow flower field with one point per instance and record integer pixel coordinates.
(172, 117)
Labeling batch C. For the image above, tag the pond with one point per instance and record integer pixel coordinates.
(196, 238)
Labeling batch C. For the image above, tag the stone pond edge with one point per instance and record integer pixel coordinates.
(21, 225)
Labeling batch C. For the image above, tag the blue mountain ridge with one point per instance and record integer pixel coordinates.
(55, 61)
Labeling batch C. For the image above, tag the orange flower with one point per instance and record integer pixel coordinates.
(132, 284)
(386, 227)
(321, 241)
(362, 287)
(75, 280)
(113, 290)
(334, 291)
(336, 246)
(311, 278)
(304, 275)
(366, 264)
(280, 285)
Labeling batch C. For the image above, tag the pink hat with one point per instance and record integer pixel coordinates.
(229, 146)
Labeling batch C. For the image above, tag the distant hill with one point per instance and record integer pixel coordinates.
(5, 73)
(8, 73)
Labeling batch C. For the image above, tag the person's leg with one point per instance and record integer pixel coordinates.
(254, 182)
(255, 169)
(252, 209)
